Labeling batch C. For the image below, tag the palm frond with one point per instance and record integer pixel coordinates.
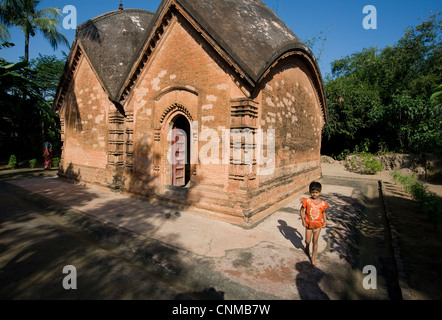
(4, 33)
(48, 12)
(50, 29)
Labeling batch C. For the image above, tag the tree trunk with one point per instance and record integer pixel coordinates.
(27, 47)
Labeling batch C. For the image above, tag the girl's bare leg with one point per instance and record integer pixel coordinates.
(315, 245)
(308, 240)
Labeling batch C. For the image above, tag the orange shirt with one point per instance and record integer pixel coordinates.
(314, 213)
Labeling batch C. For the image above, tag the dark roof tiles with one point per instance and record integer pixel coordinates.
(251, 33)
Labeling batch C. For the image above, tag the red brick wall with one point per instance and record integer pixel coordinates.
(291, 107)
(85, 112)
(182, 71)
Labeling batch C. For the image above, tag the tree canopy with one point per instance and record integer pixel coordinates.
(27, 87)
(26, 116)
(388, 100)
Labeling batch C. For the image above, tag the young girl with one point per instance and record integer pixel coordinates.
(313, 218)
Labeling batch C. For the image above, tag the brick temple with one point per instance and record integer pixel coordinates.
(215, 106)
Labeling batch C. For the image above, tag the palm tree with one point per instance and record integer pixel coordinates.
(24, 14)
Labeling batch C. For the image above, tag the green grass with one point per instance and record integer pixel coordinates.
(429, 202)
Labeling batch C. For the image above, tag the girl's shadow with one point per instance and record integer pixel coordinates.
(307, 282)
(291, 234)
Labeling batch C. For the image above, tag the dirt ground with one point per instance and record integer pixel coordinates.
(420, 245)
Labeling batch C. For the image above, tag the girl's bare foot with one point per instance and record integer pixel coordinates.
(314, 262)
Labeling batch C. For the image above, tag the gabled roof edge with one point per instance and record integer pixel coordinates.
(140, 60)
(66, 78)
(74, 57)
(312, 66)
(139, 57)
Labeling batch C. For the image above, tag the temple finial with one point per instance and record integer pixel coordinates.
(121, 5)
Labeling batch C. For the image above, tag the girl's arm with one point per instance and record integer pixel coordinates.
(324, 217)
(301, 212)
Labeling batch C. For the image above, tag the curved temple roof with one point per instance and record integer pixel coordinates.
(247, 30)
(111, 42)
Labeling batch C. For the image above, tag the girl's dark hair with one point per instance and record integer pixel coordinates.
(315, 186)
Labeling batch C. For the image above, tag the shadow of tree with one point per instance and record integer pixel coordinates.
(33, 251)
(347, 214)
(420, 245)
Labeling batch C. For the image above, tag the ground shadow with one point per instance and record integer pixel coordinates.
(361, 235)
(344, 237)
(34, 249)
(291, 234)
(420, 246)
(307, 282)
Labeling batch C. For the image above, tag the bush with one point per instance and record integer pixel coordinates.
(429, 201)
(12, 162)
(364, 163)
(55, 162)
(371, 164)
(32, 163)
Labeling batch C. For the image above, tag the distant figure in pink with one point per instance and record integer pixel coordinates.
(47, 155)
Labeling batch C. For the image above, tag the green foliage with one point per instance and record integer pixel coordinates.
(4, 32)
(364, 162)
(55, 162)
(27, 118)
(437, 96)
(49, 70)
(389, 99)
(343, 155)
(429, 201)
(371, 164)
(12, 162)
(32, 163)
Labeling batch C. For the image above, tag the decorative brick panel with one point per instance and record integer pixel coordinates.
(116, 140)
(243, 124)
(129, 151)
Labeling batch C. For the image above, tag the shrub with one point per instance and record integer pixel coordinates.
(32, 163)
(364, 163)
(55, 162)
(12, 162)
(371, 164)
(343, 155)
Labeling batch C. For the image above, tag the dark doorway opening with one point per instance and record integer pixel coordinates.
(180, 152)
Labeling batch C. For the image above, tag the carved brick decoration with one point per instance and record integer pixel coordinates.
(116, 140)
(173, 108)
(62, 133)
(244, 114)
(243, 124)
(129, 122)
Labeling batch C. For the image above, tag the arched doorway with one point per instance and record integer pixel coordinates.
(181, 148)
